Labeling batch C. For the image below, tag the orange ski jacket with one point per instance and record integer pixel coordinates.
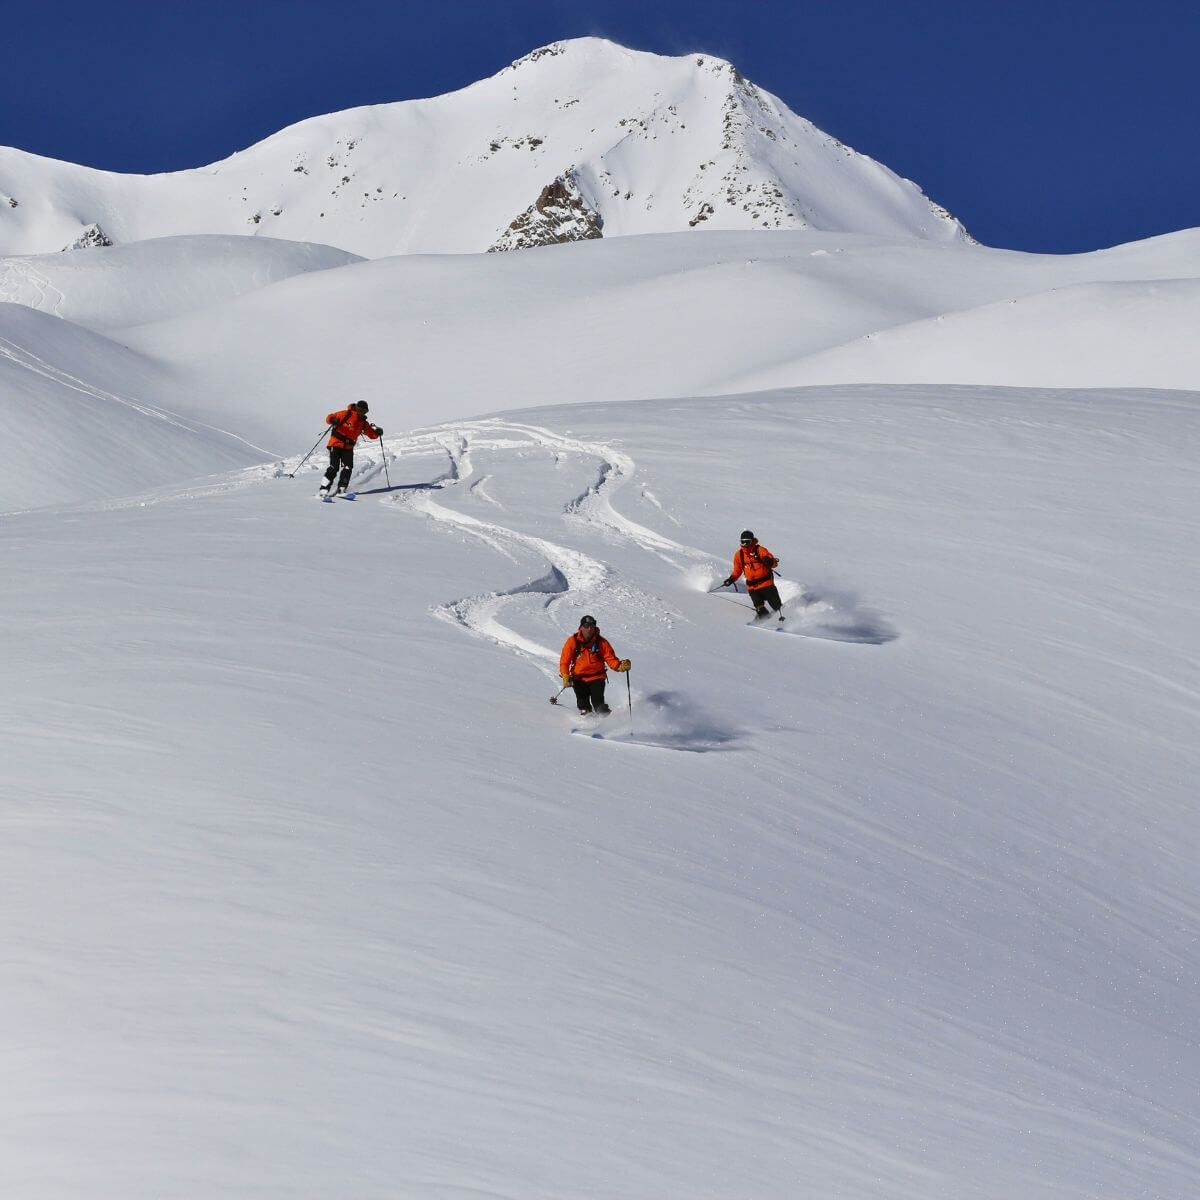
(585, 660)
(758, 563)
(348, 425)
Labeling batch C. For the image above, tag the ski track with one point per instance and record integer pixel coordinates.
(21, 283)
(571, 572)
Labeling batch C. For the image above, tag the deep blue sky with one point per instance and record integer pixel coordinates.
(1057, 125)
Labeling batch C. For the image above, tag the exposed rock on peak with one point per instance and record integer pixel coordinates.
(559, 214)
(553, 50)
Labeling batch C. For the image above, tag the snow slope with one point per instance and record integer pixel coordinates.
(649, 144)
(308, 891)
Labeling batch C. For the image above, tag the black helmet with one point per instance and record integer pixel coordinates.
(361, 405)
(587, 622)
(748, 538)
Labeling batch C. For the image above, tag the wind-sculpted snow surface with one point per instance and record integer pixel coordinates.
(310, 892)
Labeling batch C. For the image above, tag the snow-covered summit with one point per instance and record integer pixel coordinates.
(645, 143)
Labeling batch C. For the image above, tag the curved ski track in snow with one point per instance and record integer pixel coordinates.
(594, 507)
(22, 283)
(571, 572)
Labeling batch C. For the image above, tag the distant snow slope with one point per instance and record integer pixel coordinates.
(424, 338)
(646, 144)
(308, 891)
(154, 280)
(1089, 334)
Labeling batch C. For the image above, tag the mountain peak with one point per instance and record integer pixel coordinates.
(579, 48)
(584, 132)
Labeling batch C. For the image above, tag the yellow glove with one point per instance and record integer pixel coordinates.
(566, 681)
(623, 665)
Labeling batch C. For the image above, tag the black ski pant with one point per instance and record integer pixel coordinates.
(343, 457)
(766, 595)
(589, 694)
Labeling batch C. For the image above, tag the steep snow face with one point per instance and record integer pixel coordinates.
(655, 144)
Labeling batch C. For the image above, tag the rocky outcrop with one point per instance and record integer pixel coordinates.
(560, 214)
(91, 237)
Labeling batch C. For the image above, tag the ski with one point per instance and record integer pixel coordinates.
(771, 626)
(621, 739)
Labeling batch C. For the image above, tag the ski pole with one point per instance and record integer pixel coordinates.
(292, 474)
(383, 455)
(629, 697)
(731, 600)
(554, 699)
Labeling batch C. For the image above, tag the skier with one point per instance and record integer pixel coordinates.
(344, 430)
(581, 665)
(759, 565)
